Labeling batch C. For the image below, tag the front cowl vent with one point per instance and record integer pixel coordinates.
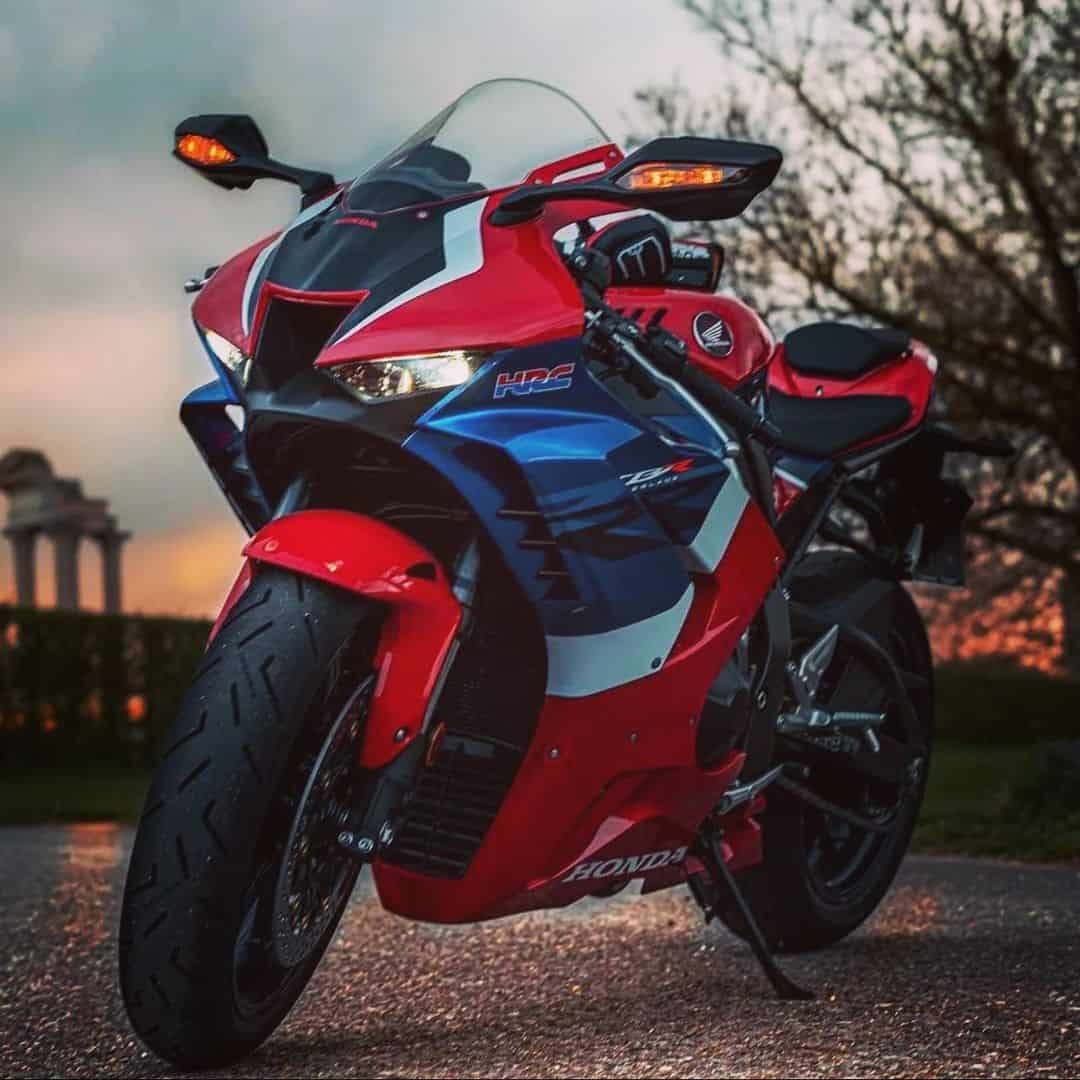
(292, 336)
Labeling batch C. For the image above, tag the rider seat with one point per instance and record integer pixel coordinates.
(842, 351)
(831, 426)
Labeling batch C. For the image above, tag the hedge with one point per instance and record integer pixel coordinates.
(81, 686)
(986, 702)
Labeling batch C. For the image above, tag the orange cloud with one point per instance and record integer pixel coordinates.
(187, 572)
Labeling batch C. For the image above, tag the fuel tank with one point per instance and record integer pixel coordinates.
(727, 339)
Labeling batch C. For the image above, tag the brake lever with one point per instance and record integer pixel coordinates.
(668, 351)
(639, 378)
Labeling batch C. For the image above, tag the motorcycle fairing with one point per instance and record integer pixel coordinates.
(251, 300)
(496, 288)
(637, 544)
(386, 256)
(219, 305)
(551, 476)
(636, 744)
(412, 276)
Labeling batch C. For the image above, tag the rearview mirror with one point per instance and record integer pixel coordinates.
(230, 151)
(685, 179)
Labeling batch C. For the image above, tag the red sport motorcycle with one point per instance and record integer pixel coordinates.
(562, 574)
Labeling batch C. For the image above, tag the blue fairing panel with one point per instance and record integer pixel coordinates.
(581, 494)
(204, 413)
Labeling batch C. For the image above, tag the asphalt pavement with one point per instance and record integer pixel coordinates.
(970, 968)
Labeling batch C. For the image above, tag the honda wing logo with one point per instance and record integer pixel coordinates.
(712, 334)
(534, 381)
(632, 864)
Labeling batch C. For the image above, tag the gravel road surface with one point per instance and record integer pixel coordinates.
(971, 968)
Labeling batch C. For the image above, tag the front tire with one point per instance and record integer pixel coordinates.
(235, 884)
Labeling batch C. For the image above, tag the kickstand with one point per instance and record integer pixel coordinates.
(724, 882)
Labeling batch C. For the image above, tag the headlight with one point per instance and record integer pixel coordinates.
(379, 380)
(229, 355)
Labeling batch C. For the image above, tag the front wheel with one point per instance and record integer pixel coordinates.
(236, 883)
(821, 876)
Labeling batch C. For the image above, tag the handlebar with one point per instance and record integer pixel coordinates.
(638, 348)
(635, 348)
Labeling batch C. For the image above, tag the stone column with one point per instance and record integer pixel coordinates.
(112, 544)
(66, 545)
(23, 544)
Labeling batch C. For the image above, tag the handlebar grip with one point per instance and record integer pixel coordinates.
(728, 406)
(641, 381)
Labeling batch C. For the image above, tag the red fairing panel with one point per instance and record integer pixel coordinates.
(751, 343)
(910, 376)
(636, 743)
(520, 295)
(218, 306)
(363, 555)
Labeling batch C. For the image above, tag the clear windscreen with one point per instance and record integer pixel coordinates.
(492, 136)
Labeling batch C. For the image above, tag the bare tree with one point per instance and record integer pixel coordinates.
(932, 182)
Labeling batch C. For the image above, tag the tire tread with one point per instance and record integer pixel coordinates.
(226, 754)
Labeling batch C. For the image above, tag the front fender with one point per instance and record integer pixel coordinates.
(365, 556)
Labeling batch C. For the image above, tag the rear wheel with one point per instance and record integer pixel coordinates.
(822, 875)
(236, 883)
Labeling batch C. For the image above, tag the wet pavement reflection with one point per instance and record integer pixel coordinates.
(971, 968)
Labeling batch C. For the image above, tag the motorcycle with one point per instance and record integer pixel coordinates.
(562, 573)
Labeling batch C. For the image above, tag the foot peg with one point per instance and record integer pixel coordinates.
(724, 886)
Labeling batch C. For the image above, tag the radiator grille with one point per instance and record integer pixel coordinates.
(488, 712)
(454, 804)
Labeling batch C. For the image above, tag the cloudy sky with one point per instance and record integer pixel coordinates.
(101, 226)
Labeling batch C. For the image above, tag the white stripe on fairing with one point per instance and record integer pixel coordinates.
(260, 259)
(253, 276)
(791, 478)
(684, 395)
(589, 663)
(708, 547)
(706, 550)
(463, 251)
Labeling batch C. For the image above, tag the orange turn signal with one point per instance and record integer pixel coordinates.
(202, 150)
(657, 176)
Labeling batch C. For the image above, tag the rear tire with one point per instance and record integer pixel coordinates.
(200, 981)
(796, 905)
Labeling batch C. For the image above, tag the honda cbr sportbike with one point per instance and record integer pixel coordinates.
(562, 574)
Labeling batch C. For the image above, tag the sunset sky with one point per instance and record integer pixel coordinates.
(101, 226)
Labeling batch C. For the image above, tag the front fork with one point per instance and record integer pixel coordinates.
(426, 615)
(381, 794)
